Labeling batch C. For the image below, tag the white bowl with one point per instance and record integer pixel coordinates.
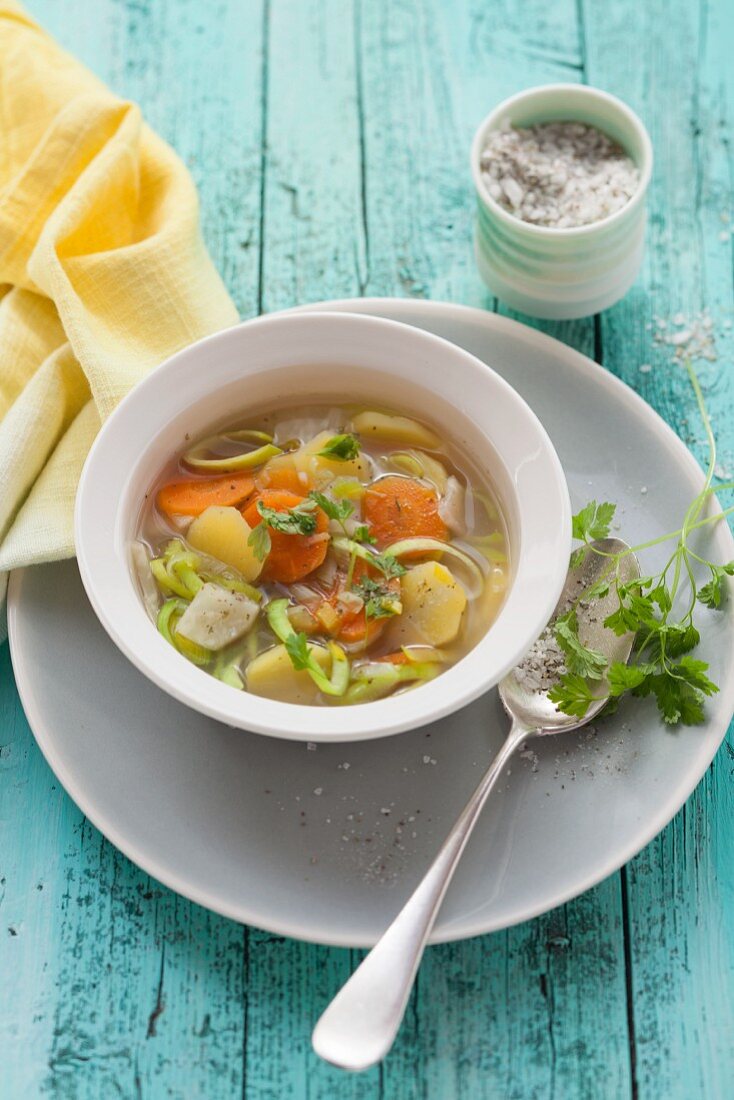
(337, 357)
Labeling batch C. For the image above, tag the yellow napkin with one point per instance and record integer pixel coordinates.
(103, 274)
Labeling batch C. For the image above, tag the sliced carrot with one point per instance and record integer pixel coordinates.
(194, 495)
(291, 557)
(400, 508)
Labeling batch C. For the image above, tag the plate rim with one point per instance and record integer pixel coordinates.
(723, 704)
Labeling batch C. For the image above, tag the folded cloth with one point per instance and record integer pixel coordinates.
(103, 274)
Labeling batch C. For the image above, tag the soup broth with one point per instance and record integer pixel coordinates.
(322, 555)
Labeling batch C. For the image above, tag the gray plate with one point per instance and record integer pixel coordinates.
(325, 844)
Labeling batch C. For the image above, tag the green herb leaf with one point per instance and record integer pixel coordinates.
(580, 660)
(379, 601)
(622, 677)
(388, 565)
(259, 540)
(362, 534)
(297, 648)
(295, 521)
(712, 594)
(341, 447)
(572, 695)
(593, 521)
(340, 510)
(694, 673)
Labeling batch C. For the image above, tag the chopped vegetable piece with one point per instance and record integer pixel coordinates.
(249, 460)
(281, 473)
(191, 498)
(217, 617)
(399, 429)
(223, 533)
(291, 556)
(398, 507)
(412, 548)
(320, 469)
(433, 605)
(418, 464)
(272, 675)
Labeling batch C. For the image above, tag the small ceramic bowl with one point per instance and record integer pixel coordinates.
(339, 357)
(562, 273)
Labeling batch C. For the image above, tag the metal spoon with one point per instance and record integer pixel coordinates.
(359, 1026)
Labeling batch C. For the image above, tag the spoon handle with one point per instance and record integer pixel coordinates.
(359, 1026)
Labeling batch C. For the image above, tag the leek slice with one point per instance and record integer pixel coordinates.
(248, 460)
(168, 616)
(376, 679)
(422, 545)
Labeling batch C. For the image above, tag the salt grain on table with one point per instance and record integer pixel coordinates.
(559, 174)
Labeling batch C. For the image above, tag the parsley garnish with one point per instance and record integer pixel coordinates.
(660, 665)
(259, 540)
(341, 447)
(379, 601)
(362, 534)
(388, 565)
(295, 521)
(297, 648)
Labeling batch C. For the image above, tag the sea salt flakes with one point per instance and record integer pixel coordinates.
(560, 174)
(543, 666)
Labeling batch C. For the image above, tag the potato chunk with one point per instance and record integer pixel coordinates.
(223, 533)
(272, 674)
(394, 429)
(433, 604)
(216, 617)
(319, 469)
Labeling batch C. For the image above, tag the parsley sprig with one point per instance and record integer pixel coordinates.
(649, 606)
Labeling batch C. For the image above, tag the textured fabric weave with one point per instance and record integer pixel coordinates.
(103, 274)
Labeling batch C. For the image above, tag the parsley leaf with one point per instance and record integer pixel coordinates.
(694, 673)
(712, 594)
(341, 447)
(297, 648)
(593, 521)
(388, 565)
(572, 695)
(295, 521)
(580, 660)
(622, 677)
(362, 534)
(379, 601)
(340, 510)
(259, 540)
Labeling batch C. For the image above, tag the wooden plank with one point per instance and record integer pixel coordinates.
(532, 1012)
(680, 889)
(119, 986)
(314, 245)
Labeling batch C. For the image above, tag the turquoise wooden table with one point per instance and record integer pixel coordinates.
(329, 142)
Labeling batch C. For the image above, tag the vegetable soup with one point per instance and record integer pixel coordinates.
(322, 555)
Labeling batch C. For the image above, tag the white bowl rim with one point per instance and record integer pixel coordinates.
(549, 232)
(455, 688)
